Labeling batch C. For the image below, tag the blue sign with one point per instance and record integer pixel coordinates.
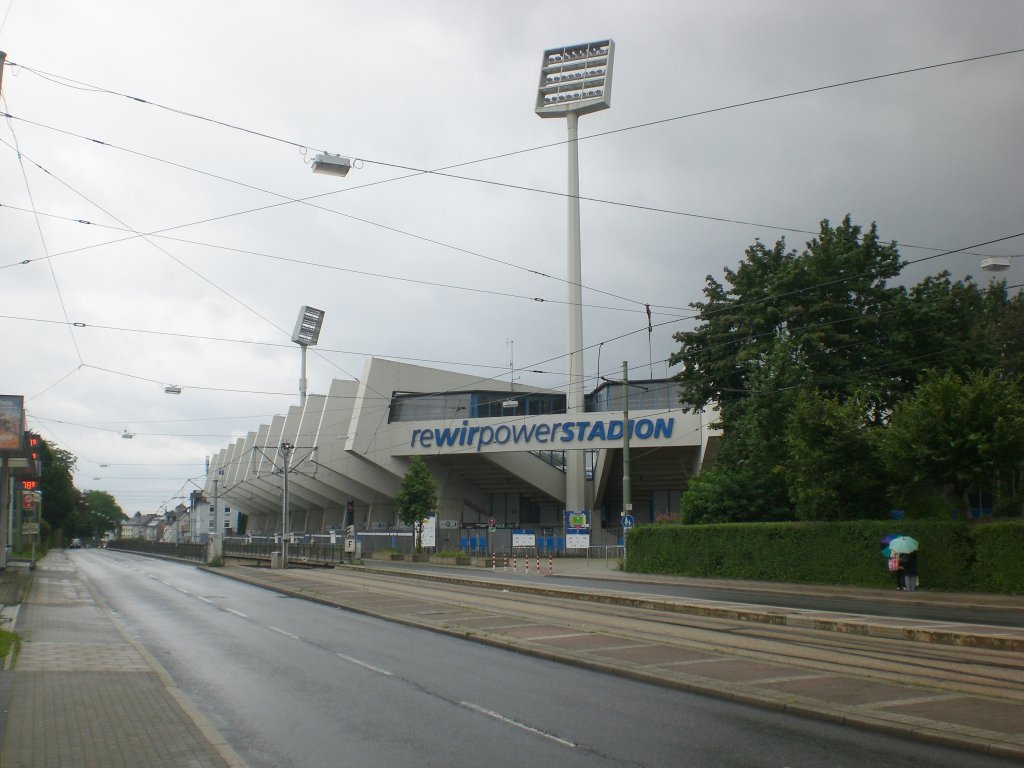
(628, 521)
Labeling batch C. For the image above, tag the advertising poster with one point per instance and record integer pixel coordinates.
(12, 418)
(577, 529)
(524, 538)
(428, 534)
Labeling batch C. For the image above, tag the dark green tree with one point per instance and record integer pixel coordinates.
(832, 300)
(60, 497)
(102, 514)
(416, 498)
(957, 433)
(834, 469)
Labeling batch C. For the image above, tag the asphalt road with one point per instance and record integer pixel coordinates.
(292, 683)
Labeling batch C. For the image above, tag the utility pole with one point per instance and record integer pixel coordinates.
(627, 497)
(286, 450)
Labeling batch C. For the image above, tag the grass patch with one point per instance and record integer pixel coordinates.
(9, 644)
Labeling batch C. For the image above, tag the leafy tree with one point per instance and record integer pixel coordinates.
(834, 469)
(102, 514)
(745, 483)
(60, 497)
(957, 433)
(417, 497)
(831, 300)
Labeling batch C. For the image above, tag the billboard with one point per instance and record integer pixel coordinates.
(12, 422)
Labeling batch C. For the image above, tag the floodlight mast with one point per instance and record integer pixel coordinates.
(306, 334)
(575, 80)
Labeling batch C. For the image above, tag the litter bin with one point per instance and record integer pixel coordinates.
(276, 560)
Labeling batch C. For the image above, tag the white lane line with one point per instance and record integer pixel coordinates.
(200, 597)
(165, 583)
(282, 632)
(364, 665)
(516, 723)
(237, 613)
(183, 591)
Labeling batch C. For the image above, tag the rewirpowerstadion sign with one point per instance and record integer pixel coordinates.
(548, 433)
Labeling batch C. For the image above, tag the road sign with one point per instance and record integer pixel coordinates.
(628, 521)
(30, 529)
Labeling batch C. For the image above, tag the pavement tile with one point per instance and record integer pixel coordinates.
(584, 642)
(1001, 716)
(740, 670)
(549, 631)
(80, 719)
(658, 654)
(847, 690)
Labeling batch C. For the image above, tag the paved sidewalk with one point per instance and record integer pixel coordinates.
(84, 694)
(979, 715)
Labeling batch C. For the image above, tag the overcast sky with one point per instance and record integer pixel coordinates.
(430, 268)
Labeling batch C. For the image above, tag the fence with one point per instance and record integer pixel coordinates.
(182, 550)
(318, 548)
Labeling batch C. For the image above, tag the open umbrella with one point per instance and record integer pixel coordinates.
(903, 545)
(884, 543)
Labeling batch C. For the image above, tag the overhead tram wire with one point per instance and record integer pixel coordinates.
(287, 200)
(320, 265)
(42, 237)
(306, 200)
(533, 368)
(65, 81)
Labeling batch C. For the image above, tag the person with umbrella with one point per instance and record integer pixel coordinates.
(905, 550)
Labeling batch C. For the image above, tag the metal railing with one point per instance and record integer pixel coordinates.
(182, 550)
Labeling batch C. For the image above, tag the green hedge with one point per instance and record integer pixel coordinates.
(953, 556)
(998, 563)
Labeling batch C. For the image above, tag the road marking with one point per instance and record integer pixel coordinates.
(200, 597)
(282, 632)
(516, 723)
(165, 583)
(237, 613)
(364, 665)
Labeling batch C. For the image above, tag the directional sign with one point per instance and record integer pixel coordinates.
(628, 521)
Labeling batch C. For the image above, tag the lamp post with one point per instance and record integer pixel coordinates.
(575, 80)
(306, 334)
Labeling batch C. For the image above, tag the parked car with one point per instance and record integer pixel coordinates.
(76, 544)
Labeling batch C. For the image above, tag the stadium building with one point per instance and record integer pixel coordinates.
(498, 457)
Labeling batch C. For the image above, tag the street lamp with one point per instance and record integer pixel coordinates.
(995, 263)
(332, 165)
(575, 80)
(306, 333)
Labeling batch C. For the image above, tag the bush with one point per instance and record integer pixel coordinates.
(847, 553)
(998, 566)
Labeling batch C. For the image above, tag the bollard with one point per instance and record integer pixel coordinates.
(551, 566)
(494, 561)
(506, 562)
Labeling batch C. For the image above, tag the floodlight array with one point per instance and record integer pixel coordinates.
(576, 78)
(307, 327)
